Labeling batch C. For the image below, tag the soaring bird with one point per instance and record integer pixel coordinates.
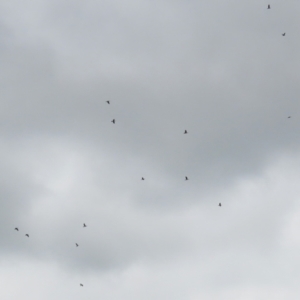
(81, 284)
(186, 178)
(289, 117)
(269, 6)
(283, 34)
(108, 102)
(84, 225)
(114, 121)
(143, 178)
(220, 204)
(185, 132)
(17, 228)
(76, 244)
(27, 234)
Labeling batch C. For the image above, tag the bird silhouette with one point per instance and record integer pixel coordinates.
(108, 102)
(289, 117)
(76, 244)
(17, 228)
(114, 121)
(185, 132)
(186, 178)
(81, 284)
(220, 204)
(283, 34)
(269, 6)
(143, 178)
(27, 234)
(84, 225)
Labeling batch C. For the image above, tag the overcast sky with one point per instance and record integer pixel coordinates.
(220, 70)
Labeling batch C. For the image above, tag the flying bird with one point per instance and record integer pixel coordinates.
(27, 234)
(143, 178)
(84, 225)
(283, 34)
(17, 228)
(220, 204)
(76, 244)
(289, 117)
(81, 284)
(185, 132)
(186, 178)
(114, 121)
(269, 6)
(108, 102)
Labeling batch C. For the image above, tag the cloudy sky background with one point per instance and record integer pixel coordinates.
(221, 70)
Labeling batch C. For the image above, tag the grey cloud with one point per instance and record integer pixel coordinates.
(222, 71)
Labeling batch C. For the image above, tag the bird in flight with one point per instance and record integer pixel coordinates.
(108, 102)
(76, 244)
(27, 234)
(185, 132)
(84, 225)
(283, 34)
(143, 178)
(114, 121)
(289, 117)
(269, 6)
(81, 284)
(186, 178)
(220, 204)
(17, 228)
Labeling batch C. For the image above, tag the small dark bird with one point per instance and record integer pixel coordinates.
(186, 178)
(185, 132)
(76, 244)
(283, 34)
(17, 228)
(143, 178)
(114, 121)
(81, 284)
(84, 225)
(269, 6)
(220, 204)
(108, 102)
(27, 234)
(289, 117)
